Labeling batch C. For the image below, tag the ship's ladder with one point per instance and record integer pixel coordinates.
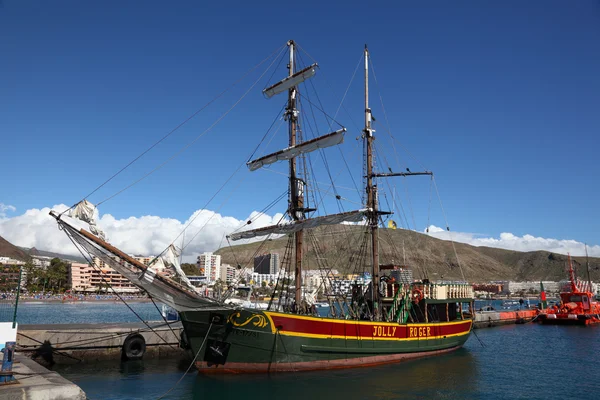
(400, 308)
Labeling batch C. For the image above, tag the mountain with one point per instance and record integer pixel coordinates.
(427, 256)
(42, 253)
(8, 249)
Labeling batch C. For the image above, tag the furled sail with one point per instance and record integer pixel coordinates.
(291, 81)
(295, 226)
(84, 211)
(170, 259)
(331, 139)
(156, 284)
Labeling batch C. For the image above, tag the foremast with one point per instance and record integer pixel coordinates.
(371, 191)
(296, 185)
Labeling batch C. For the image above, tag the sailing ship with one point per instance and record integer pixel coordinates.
(380, 322)
(577, 304)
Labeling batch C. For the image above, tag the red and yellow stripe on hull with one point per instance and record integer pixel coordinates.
(328, 328)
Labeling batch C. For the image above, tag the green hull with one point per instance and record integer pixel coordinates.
(260, 341)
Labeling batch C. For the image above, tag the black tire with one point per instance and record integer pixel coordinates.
(134, 347)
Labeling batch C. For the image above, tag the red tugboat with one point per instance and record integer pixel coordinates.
(577, 306)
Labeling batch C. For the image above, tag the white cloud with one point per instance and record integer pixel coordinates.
(519, 243)
(147, 235)
(4, 208)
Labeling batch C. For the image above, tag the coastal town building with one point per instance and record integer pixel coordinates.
(495, 288)
(9, 277)
(512, 287)
(10, 261)
(227, 273)
(257, 279)
(209, 265)
(267, 263)
(402, 274)
(85, 278)
(10, 270)
(41, 261)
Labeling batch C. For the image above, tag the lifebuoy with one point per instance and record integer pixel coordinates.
(417, 295)
(134, 347)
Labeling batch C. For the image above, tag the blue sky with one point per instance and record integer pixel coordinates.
(499, 99)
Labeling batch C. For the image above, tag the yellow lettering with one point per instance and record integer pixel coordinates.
(394, 331)
(378, 331)
(374, 331)
(428, 331)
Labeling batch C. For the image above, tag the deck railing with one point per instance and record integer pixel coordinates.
(444, 291)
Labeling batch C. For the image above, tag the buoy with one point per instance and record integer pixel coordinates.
(133, 347)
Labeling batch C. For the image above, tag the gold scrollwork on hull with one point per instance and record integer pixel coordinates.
(258, 320)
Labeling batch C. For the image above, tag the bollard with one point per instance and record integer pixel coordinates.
(6, 375)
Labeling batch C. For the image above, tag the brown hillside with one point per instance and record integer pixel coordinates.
(427, 256)
(7, 249)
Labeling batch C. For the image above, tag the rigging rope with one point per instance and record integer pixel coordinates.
(278, 117)
(97, 268)
(280, 49)
(187, 146)
(191, 364)
(448, 229)
(387, 127)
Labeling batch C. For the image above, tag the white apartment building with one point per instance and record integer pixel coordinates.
(41, 261)
(209, 265)
(227, 273)
(10, 261)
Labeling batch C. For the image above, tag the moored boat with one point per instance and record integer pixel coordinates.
(577, 304)
(380, 321)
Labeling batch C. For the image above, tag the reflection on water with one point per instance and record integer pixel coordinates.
(447, 376)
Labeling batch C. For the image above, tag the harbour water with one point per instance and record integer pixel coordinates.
(518, 362)
(82, 312)
(527, 361)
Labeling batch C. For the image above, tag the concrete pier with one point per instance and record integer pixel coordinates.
(488, 319)
(36, 382)
(72, 343)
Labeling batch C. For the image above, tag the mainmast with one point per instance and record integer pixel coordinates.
(371, 189)
(296, 205)
(296, 208)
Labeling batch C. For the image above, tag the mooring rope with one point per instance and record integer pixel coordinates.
(191, 364)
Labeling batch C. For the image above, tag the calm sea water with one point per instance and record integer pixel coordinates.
(84, 312)
(515, 362)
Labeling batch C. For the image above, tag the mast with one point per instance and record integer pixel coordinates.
(296, 185)
(572, 276)
(587, 264)
(371, 194)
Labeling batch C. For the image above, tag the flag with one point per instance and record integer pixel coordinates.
(543, 296)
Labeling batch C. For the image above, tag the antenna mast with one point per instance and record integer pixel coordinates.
(587, 263)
